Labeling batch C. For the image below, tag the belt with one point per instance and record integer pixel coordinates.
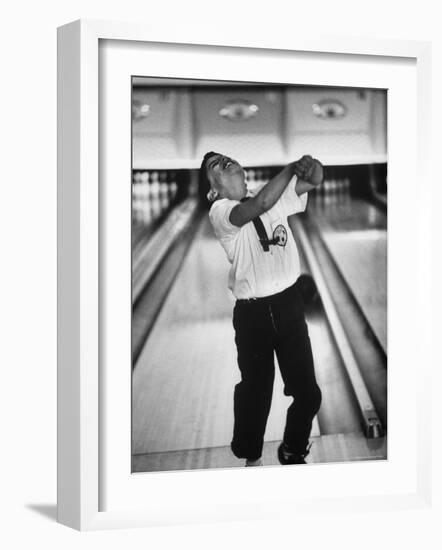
(268, 299)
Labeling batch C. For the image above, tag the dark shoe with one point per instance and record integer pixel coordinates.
(287, 457)
(254, 462)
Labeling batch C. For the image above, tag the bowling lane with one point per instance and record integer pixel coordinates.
(183, 380)
(355, 233)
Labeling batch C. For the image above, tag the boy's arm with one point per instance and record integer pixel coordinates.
(267, 197)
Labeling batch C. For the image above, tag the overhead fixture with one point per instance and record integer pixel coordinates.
(140, 110)
(238, 110)
(330, 109)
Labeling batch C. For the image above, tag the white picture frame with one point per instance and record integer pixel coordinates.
(82, 447)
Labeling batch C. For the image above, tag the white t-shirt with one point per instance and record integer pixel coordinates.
(255, 273)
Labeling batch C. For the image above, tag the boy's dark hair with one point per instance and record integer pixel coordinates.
(203, 180)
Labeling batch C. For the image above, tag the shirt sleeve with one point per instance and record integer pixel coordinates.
(291, 202)
(219, 216)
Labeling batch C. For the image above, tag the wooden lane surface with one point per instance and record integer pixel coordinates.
(355, 233)
(351, 214)
(349, 447)
(184, 378)
(338, 412)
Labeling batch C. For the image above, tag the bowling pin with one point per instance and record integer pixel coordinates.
(164, 198)
(154, 195)
(338, 190)
(136, 200)
(173, 189)
(144, 199)
(335, 191)
(145, 189)
(328, 196)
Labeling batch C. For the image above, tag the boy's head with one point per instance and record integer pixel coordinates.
(223, 177)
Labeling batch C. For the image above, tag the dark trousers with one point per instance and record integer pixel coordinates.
(262, 327)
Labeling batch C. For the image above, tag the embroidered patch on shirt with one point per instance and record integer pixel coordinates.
(280, 235)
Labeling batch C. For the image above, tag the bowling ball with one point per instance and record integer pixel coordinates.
(307, 288)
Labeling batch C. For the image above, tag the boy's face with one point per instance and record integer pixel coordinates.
(227, 177)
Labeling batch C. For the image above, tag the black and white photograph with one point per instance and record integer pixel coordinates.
(259, 274)
(221, 274)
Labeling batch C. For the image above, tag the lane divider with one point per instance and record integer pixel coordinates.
(371, 422)
(148, 261)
